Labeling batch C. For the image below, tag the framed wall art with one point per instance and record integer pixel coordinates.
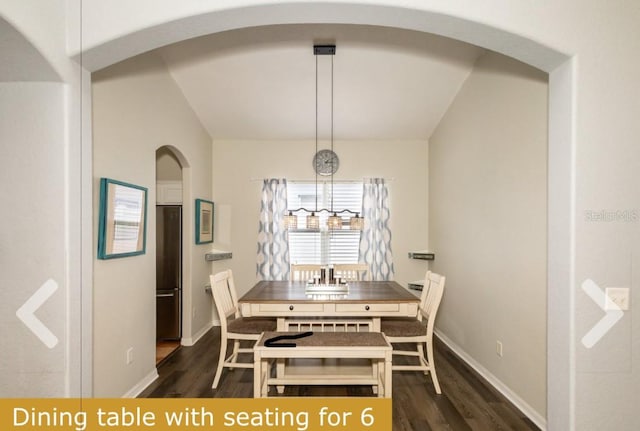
(122, 227)
(204, 221)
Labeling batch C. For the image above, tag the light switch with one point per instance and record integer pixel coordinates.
(618, 296)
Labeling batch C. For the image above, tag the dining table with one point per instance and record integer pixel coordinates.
(357, 299)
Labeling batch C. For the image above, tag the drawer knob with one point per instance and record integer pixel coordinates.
(366, 307)
(291, 307)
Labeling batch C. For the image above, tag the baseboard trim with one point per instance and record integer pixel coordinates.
(190, 341)
(522, 405)
(141, 385)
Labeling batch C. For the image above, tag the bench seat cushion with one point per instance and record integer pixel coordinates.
(333, 339)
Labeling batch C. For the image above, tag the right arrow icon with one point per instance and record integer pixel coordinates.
(611, 317)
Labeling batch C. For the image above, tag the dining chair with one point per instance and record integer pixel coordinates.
(232, 325)
(304, 272)
(419, 329)
(353, 271)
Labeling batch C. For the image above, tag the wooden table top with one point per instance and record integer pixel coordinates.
(359, 292)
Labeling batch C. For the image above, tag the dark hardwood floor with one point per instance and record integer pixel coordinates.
(467, 401)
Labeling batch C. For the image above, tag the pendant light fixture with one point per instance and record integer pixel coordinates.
(313, 221)
(334, 221)
(290, 221)
(356, 222)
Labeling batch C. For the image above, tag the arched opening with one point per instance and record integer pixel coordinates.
(169, 256)
(560, 112)
(173, 192)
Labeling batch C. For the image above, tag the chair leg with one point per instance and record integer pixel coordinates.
(234, 355)
(432, 367)
(423, 358)
(221, 358)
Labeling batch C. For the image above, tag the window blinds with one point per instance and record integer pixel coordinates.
(324, 247)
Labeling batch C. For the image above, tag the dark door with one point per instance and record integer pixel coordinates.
(168, 272)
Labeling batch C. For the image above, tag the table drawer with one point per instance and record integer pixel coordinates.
(351, 308)
(284, 308)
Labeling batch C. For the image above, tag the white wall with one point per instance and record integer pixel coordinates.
(137, 109)
(237, 196)
(46, 26)
(40, 137)
(487, 204)
(32, 240)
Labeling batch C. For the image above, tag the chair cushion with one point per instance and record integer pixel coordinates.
(251, 325)
(403, 327)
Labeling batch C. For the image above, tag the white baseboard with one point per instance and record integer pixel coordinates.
(522, 405)
(190, 341)
(141, 385)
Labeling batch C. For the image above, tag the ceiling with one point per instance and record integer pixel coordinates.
(259, 83)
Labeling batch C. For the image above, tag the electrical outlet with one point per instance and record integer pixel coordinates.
(129, 355)
(193, 312)
(616, 298)
(499, 348)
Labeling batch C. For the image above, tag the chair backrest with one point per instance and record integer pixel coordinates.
(224, 296)
(431, 297)
(352, 271)
(304, 272)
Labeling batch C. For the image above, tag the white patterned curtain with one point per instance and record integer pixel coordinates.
(375, 241)
(273, 244)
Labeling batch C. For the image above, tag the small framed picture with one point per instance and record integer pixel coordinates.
(204, 221)
(122, 226)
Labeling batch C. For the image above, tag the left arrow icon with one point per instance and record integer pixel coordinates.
(26, 313)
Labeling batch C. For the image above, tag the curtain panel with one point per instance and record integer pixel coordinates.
(375, 241)
(273, 242)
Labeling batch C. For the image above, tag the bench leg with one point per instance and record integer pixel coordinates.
(387, 376)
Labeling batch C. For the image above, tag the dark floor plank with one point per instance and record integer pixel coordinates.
(471, 403)
(467, 401)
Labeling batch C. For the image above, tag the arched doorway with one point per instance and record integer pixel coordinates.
(561, 164)
(170, 225)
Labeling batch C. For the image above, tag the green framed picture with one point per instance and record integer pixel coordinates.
(122, 227)
(204, 221)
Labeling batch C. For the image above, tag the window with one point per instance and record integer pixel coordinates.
(324, 246)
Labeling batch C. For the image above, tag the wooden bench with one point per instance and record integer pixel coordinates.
(371, 346)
